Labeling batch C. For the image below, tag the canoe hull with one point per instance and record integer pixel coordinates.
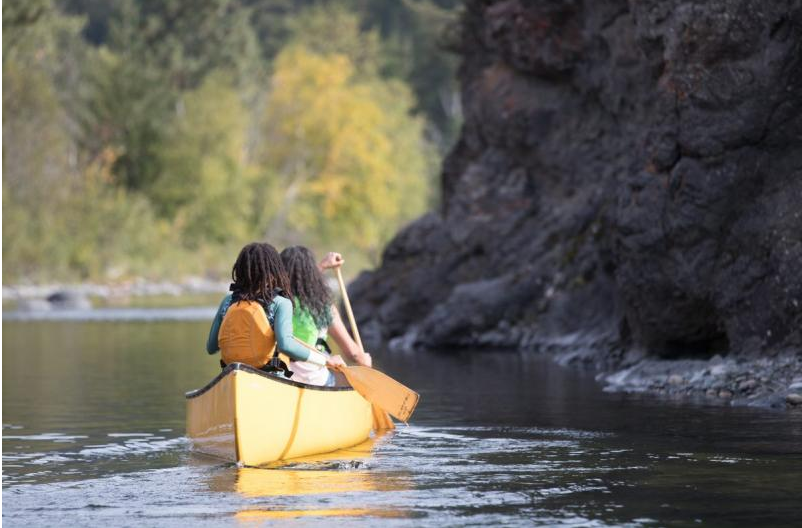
(253, 418)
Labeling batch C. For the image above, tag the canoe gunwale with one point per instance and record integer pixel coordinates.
(247, 368)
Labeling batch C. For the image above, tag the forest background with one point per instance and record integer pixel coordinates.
(153, 138)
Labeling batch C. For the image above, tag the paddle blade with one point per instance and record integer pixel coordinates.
(381, 420)
(382, 390)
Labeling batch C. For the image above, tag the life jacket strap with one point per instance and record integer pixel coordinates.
(322, 344)
(274, 365)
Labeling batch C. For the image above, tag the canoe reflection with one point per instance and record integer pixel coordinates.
(255, 482)
(331, 474)
(256, 515)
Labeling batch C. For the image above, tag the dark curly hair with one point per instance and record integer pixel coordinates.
(308, 284)
(258, 273)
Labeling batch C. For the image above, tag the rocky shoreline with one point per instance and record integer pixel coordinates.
(768, 380)
(625, 193)
(774, 382)
(46, 297)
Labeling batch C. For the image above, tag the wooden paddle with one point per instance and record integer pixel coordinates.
(381, 419)
(348, 310)
(385, 393)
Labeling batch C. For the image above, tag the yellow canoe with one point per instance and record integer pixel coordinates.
(247, 416)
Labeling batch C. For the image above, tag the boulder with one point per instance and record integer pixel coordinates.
(628, 174)
(69, 300)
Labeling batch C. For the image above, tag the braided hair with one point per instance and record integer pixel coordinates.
(308, 284)
(259, 274)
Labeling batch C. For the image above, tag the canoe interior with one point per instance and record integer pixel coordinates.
(247, 368)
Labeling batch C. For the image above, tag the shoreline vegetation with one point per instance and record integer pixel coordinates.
(138, 291)
(147, 139)
(190, 291)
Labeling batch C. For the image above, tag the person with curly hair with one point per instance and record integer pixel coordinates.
(315, 317)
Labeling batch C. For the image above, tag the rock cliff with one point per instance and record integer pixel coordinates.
(628, 179)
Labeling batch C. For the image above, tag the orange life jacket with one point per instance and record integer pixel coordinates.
(246, 335)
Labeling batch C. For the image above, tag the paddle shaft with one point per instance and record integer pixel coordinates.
(381, 420)
(348, 310)
(312, 350)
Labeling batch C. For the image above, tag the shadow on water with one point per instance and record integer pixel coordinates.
(94, 432)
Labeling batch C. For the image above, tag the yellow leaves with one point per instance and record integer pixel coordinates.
(347, 147)
(100, 169)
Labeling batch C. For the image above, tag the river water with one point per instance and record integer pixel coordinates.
(93, 434)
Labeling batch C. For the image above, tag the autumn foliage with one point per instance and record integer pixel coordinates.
(151, 154)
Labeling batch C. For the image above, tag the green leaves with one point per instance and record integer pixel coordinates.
(177, 135)
(204, 184)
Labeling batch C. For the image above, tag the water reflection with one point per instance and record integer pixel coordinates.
(340, 477)
(94, 434)
(259, 515)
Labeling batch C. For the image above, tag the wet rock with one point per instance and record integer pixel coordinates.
(711, 393)
(726, 394)
(675, 379)
(721, 369)
(794, 398)
(69, 300)
(748, 385)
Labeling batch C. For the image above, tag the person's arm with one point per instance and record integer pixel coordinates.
(287, 343)
(211, 341)
(283, 330)
(343, 339)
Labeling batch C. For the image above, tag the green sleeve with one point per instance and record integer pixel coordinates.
(211, 341)
(283, 330)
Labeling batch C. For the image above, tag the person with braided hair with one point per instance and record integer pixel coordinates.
(254, 322)
(315, 317)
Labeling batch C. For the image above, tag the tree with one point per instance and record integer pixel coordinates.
(417, 40)
(62, 214)
(205, 182)
(37, 171)
(347, 159)
(331, 28)
(155, 51)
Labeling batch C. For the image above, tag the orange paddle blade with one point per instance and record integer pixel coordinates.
(383, 391)
(381, 420)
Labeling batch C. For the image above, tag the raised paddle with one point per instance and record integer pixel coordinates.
(348, 310)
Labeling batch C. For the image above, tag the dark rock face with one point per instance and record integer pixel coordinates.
(628, 178)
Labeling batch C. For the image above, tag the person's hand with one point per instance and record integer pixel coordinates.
(365, 360)
(335, 362)
(331, 260)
